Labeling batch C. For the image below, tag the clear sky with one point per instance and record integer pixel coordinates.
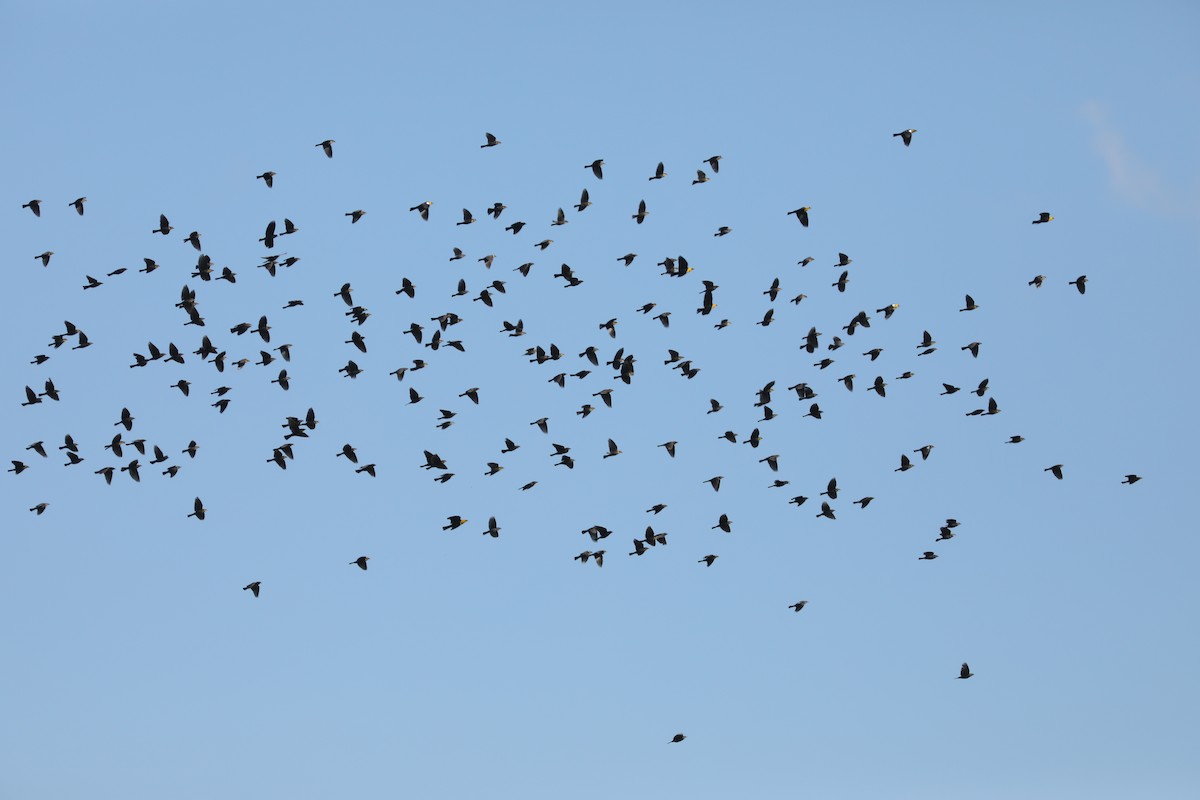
(459, 665)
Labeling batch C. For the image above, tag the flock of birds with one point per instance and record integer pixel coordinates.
(621, 365)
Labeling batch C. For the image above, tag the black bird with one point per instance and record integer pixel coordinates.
(584, 202)
(1037, 281)
(423, 209)
(1079, 283)
(327, 146)
(256, 586)
(1044, 216)
(595, 167)
(1056, 470)
(964, 672)
(801, 214)
(708, 562)
(906, 136)
(267, 178)
(198, 509)
(1131, 479)
(714, 163)
(797, 607)
(659, 172)
(164, 226)
(640, 216)
(492, 141)
(35, 206)
(361, 562)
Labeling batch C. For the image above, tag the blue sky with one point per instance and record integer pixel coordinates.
(459, 665)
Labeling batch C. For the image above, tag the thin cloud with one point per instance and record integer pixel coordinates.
(1137, 182)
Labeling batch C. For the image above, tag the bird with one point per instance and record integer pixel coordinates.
(198, 509)
(493, 529)
(327, 146)
(45, 258)
(964, 672)
(467, 218)
(35, 206)
(1044, 216)
(492, 141)
(78, 204)
(1079, 283)
(798, 606)
(1131, 479)
(928, 555)
(1015, 439)
(361, 562)
(701, 177)
(715, 482)
(164, 226)
(708, 562)
(1037, 281)
(659, 173)
(1056, 470)
(254, 587)
(801, 214)
(423, 209)
(723, 523)
(584, 201)
(679, 737)
(640, 216)
(454, 521)
(358, 214)
(905, 464)
(826, 510)
(612, 449)
(924, 450)
(714, 163)
(267, 177)
(970, 304)
(906, 136)
(596, 168)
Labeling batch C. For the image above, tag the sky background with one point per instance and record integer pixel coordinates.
(464, 666)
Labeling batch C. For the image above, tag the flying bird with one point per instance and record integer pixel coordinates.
(906, 136)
